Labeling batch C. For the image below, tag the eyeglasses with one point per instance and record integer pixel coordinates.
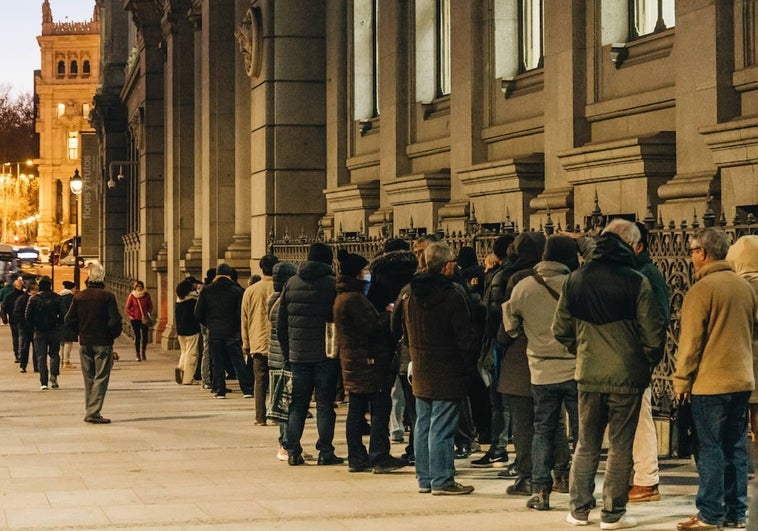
(695, 249)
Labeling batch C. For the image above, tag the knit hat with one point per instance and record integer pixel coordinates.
(562, 249)
(395, 244)
(68, 284)
(466, 257)
(350, 264)
(224, 269)
(320, 252)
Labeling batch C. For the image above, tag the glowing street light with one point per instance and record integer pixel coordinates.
(76, 189)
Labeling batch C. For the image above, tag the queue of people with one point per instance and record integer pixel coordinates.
(551, 344)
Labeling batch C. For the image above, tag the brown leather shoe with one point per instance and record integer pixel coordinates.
(696, 523)
(638, 493)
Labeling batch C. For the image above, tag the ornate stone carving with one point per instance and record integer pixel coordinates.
(249, 36)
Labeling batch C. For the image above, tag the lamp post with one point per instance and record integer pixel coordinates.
(76, 189)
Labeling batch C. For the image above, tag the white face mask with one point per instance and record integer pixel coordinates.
(366, 277)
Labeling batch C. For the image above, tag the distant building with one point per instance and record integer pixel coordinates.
(64, 87)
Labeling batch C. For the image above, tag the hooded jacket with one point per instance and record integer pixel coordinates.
(715, 353)
(389, 273)
(282, 272)
(305, 306)
(608, 315)
(361, 339)
(441, 338)
(184, 315)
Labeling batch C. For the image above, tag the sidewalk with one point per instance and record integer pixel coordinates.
(174, 458)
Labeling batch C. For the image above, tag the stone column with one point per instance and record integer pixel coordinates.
(705, 96)
(179, 186)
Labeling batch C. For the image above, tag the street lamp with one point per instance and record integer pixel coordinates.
(76, 189)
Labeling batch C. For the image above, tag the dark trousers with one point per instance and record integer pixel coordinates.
(620, 414)
(231, 348)
(481, 410)
(307, 377)
(140, 336)
(410, 412)
(260, 377)
(47, 344)
(379, 404)
(522, 422)
(24, 342)
(15, 339)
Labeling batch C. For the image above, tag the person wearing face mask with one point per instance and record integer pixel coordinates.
(365, 360)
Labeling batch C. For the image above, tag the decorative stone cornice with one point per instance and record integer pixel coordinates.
(511, 175)
(419, 188)
(358, 196)
(733, 143)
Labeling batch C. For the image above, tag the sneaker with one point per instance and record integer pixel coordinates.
(539, 502)
(695, 522)
(281, 454)
(217, 395)
(638, 494)
(561, 485)
(521, 487)
(248, 396)
(54, 381)
(22, 369)
(625, 522)
(359, 467)
(388, 465)
(329, 459)
(454, 489)
(510, 472)
(295, 460)
(178, 375)
(463, 452)
(490, 460)
(397, 438)
(43, 387)
(571, 519)
(735, 523)
(424, 490)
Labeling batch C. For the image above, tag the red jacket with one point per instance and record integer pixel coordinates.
(133, 305)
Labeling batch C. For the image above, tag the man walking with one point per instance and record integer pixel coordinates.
(305, 306)
(714, 370)
(256, 332)
(44, 314)
(7, 313)
(94, 316)
(607, 314)
(442, 342)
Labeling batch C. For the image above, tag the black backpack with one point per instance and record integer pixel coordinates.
(47, 311)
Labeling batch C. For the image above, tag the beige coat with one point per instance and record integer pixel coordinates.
(715, 353)
(255, 324)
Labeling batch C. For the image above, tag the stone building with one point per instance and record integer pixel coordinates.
(231, 121)
(63, 87)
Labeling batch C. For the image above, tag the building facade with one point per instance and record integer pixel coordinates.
(236, 122)
(64, 87)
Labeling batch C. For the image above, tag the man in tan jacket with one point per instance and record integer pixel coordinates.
(714, 371)
(256, 332)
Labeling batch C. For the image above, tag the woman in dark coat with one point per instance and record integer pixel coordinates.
(361, 334)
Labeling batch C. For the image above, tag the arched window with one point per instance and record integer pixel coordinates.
(74, 68)
(61, 68)
(85, 68)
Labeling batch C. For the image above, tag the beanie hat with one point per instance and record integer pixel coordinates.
(562, 249)
(320, 252)
(224, 269)
(466, 257)
(68, 284)
(395, 244)
(350, 264)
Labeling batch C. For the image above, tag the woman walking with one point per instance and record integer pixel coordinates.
(139, 308)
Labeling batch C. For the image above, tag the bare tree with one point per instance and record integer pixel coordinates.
(18, 139)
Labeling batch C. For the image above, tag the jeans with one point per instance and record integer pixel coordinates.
(410, 414)
(24, 342)
(548, 410)
(233, 349)
(522, 419)
(436, 422)
(140, 335)
(260, 375)
(596, 411)
(96, 361)
(47, 344)
(306, 377)
(205, 357)
(397, 428)
(721, 427)
(380, 405)
(501, 422)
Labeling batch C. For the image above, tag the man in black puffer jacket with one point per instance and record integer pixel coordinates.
(219, 307)
(305, 306)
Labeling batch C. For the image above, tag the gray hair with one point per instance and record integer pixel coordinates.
(437, 254)
(626, 230)
(96, 272)
(714, 242)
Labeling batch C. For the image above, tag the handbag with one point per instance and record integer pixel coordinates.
(280, 383)
(147, 319)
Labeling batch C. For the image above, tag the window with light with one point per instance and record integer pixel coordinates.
(650, 16)
(530, 35)
(73, 145)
